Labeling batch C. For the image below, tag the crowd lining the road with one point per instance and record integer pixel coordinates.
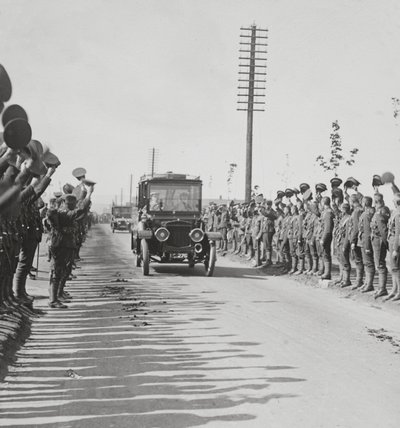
(303, 231)
(26, 168)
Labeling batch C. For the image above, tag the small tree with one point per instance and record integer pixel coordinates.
(231, 172)
(336, 157)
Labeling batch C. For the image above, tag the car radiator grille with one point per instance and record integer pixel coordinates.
(179, 235)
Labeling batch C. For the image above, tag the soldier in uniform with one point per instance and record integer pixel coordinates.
(379, 233)
(353, 225)
(310, 236)
(364, 242)
(343, 245)
(394, 249)
(284, 236)
(326, 236)
(223, 227)
(256, 234)
(293, 237)
(64, 244)
(268, 230)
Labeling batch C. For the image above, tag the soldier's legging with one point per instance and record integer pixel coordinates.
(380, 250)
(285, 250)
(327, 249)
(394, 268)
(267, 238)
(25, 261)
(344, 249)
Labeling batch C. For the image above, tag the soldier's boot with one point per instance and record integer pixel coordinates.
(250, 254)
(20, 289)
(294, 266)
(327, 270)
(395, 288)
(300, 268)
(268, 258)
(369, 281)
(340, 279)
(314, 270)
(346, 279)
(382, 291)
(321, 267)
(396, 280)
(360, 277)
(53, 294)
(309, 269)
(61, 295)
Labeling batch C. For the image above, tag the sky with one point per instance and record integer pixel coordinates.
(105, 81)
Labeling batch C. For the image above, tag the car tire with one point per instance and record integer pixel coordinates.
(145, 257)
(210, 261)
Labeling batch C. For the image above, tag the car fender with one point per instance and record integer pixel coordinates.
(213, 236)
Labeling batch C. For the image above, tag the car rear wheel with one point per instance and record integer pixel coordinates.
(145, 256)
(210, 261)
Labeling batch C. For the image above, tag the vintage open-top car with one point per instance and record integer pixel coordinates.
(170, 228)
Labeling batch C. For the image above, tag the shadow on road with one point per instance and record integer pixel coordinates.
(131, 354)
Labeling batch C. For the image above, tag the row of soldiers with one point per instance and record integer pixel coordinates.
(306, 231)
(26, 168)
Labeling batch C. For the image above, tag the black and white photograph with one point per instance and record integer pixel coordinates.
(200, 213)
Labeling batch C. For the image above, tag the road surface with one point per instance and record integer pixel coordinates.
(177, 349)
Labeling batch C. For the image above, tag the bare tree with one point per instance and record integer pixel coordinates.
(336, 158)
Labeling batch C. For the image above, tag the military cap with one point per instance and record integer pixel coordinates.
(88, 182)
(387, 177)
(376, 181)
(320, 187)
(68, 188)
(289, 193)
(304, 187)
(17, 133)
(336, 182)
(268, 202)
(13, 111)
(280, 194)
(351, 182)
(307, 195)
(50, 159)
(5, 85)
(57, 194)
(79, 172)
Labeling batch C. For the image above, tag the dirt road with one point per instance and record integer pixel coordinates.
(177, 349)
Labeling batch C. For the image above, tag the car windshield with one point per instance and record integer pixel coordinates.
(124, 212)
(174, 197)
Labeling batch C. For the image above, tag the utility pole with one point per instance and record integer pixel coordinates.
(122, 192)
(153, 157)
(130, 192)
(253, 72)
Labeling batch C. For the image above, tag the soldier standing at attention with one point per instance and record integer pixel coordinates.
(379, 233)
(326, 239)
(353, 236)
(293, 235)
(394, 249)
(223, 227)
(268, 230)
(364, 242)
(343, 245)
(284, 236)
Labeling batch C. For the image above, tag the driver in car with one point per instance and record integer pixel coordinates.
(183, 204)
